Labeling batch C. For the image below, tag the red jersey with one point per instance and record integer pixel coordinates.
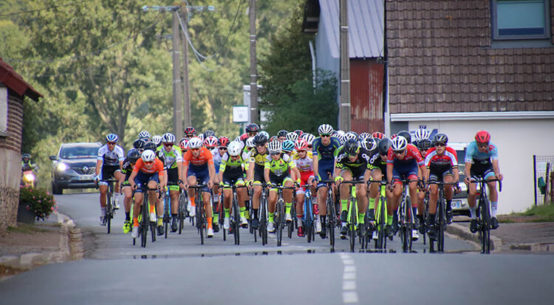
(205, 157)
(412, 153)
(158, 166)
(449, 157)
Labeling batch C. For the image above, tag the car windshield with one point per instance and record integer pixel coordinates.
(461, 163)
(79, 152)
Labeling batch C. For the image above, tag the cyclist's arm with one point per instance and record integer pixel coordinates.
(367, 175)
(266, 175)
(389, 172)
(180, 171)
(468, 171)
(496, 169)
(250, 171)
(315, 159)
(98, 167)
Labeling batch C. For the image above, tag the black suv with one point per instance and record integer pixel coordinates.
(74, 166)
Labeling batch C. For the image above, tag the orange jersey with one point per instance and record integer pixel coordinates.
(158, 166)
(205, 157)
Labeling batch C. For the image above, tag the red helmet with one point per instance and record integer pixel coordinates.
(378, 135)
(244, 136)
(210, 142)
(223, 141)
(482, 136)
(190, 131)
(301, 144)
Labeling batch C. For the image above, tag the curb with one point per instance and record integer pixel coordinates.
(70, 248)
(464, 233)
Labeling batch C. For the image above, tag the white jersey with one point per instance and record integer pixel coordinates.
(110, 157)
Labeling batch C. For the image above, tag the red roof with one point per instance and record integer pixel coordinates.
(15, 82)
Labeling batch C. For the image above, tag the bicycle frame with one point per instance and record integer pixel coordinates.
(484, 218)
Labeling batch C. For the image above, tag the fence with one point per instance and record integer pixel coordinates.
(543, 175)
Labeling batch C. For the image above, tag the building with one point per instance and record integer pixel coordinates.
(13, 89)
(365, 46)
(463, 66)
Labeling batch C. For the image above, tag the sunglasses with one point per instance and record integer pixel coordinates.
(325, 135)
(195, 149)
(483, 144)
(168, 144)
(300, 151)
(223, 148)
(148, 162)
(275, 154)
(440, 144)
(399, 152)
(111, 143)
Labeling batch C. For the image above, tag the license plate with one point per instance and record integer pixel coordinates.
(456, 204)
(87, 177)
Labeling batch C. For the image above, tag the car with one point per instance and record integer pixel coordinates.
(74, 166)
(459, 201)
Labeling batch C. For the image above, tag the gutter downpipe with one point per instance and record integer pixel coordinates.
(312, 53)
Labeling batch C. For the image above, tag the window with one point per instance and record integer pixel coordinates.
(520, 19)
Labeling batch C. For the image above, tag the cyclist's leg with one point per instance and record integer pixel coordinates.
(300, 197)
(287, 196)
(344, 194)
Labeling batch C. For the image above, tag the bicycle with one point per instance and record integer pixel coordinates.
(381, 217)
(331, 213)
(352, 219)
(200, 219)
(145, 222)
(235, 224)
(110, 210)
(483, 213)
(167, 209)
(406, 218)
(182, 211)
(280, 212)
(308, 217)
(440, 218)
(262, 215)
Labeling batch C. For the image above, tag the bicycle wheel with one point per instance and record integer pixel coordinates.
(485, 226)
(281, 211)
(441, 223)
(200, 219)
(263, 221)
(409, 225)
(331, 221)
(166, 216)
(108, 214)
(352, 224)
(236, 220)
(381, 238)
(181, 214)
(145, 223)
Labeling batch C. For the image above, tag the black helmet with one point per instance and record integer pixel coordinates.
(406, 135)
(252, 127)
(369, 144)
(351, 147)
(139, 144)
(440, 138)
(260, 139)
(424, 144)
(150, 145)
(282, 133)
(133, 155)
(384, 146)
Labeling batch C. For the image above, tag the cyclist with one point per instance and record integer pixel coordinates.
(442, 165)
(27, 163)
(277, 171)
(231, 172)
(212, 144)
(199, 168)
(282, 135)
(170, 154)
(304, 163)
(378, 167)
(403, 160)
(255, 173)
(157, 139)
(190, 132)
(108, 165)
(252, 129)
(482, 161)
(148, 172)
(126, 169)
(287, 147)
(352, 164)
(323, 152)
(144, 135)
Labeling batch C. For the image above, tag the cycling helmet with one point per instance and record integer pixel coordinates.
(148, 155)
(273, 138)
(288, 146)
(133, 155)
(252, 127)
(406, 135)
(157, 139)
(223, 142)
(482, 137)
(301, 144)
(168, 138)
(211, 142)
(325, 129)
(384, 145)
(234, 148)
(209, 133)
(299, 132)
(424, 144)
(260, 139)
(184, 144)
(378, 135)
(369, 143)
(351, 136)
(341, 137)
(190, 131)
(274, 147)
(399, 143)
(292, 136)
(392, 136)
(139, 144)
(243, 137)
(364, 135)
(421, 134)
(351, 147)
(440, 138)
(201, 137)
(264, 133)
(309, 138)
(195, 142)
(240, 143)
(282, 133)
(144, 135)
(111, 137)
(26, 156)
(150, 146)
(250, 142)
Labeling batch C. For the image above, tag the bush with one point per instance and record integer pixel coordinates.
(39, 201)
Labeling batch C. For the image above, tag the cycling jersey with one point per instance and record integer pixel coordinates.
(306, 164)
(110, 157)
(436, 162)
(233, 170)
(481, 161)
(127, 168)
(157, 167)
(259, 164)
(170, 158)
(412, 154)
(204, 158)
(375, 161)
(358, 166)
(406, 167)
(217, 159)
(279, 170)
(325, 152)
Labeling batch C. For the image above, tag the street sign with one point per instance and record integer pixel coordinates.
(240, 114)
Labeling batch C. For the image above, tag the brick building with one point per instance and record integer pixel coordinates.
(13, 89)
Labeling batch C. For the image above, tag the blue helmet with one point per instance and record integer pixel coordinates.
(288, 146)
(111, 137)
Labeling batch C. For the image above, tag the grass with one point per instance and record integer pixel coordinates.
(541, 213)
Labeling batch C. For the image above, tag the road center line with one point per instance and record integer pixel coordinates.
(349, 294)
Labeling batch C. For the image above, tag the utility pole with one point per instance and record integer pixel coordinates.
(345, 108)
(185, 68)
(253, 70)
(177, 88)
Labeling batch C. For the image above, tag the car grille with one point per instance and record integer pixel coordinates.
(85, 170)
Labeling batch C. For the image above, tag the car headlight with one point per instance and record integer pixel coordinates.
(62, 167)
(29, 177)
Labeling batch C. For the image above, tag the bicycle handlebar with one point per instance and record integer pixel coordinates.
(480, 180)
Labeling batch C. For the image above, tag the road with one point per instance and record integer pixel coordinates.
(180, 270)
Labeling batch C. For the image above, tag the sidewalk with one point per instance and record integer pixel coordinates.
(518, 237)
(29, 246)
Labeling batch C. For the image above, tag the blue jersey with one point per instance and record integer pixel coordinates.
(325, 152)
(473, 155)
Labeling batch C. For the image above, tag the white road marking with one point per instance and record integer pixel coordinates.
(349, 294)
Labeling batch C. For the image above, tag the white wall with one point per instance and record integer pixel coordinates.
(517, 142)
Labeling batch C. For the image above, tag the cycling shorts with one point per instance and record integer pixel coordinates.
(258, 174)
(107, 172)
(304, 179)
(202, 175)
(325, 166)
(229, 180)
(482, 170)
(173, 179)
(404, 170)
(356, 175)
(142, 179)
(438, 176)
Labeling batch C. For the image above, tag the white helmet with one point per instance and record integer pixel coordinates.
(240, 143)
(157, 139)
(234, 148)
(350, 136)
(325, 129)
(250, 142)
(195, 142)
(293, 136)
(309, 138)
(144, 135)
(274, 147)
(168, 138)
(422, 134)
(148, 156)
(399, 143)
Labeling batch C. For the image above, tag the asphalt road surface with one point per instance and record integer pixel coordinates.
(179, 270)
